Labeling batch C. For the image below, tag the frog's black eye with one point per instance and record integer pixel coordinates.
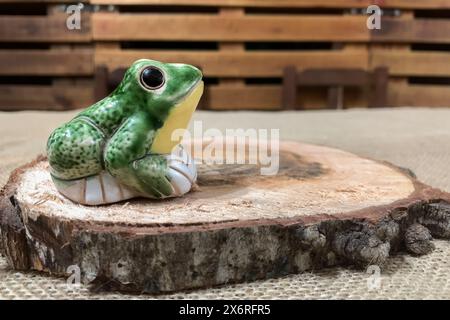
(152, 78)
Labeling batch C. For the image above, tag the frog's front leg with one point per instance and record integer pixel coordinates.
(166, 175)
(127, 157)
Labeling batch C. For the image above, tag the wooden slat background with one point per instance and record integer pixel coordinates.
(401, 4)
(47, 65)
(42, 29)
(242, 47)
(201, 27)
(41, 97)
(240, 64)
(413, 30)
(56, 62)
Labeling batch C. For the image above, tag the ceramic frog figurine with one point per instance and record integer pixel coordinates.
(121, 147)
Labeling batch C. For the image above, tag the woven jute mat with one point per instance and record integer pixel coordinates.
(418, 139)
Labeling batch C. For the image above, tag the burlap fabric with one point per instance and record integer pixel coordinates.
(418, 139)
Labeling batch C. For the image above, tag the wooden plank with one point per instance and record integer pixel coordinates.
(268, 97)
(210, 27)
(231, 46)
(412, 63)
(412, 30)
(35, 97)
(240, 64)
(251, 97)
(43, 29)
(264, 97)
(333, 77)
(401, 95)
(289, 91)
(378, 92)
(403, 48)
(44, 1)
(411, 4)
(47, 62)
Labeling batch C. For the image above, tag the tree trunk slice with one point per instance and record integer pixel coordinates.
(325, 207)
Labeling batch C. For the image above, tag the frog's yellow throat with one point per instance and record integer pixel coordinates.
(178, 118)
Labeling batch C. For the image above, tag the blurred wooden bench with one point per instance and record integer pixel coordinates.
(336, 80)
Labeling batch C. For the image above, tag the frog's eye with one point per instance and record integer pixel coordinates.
(152, 78)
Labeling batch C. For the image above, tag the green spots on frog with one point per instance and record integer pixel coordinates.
(106, 114)
(74, 150)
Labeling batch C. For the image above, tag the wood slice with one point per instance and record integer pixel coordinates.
(325, 207)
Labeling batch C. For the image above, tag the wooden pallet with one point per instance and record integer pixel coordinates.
(44, 65)
(415, 47)
(233, 66)
(400, 4)
(242, 47)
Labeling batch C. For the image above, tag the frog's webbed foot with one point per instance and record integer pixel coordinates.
(182, 172)
(164, 176)
(157, 176)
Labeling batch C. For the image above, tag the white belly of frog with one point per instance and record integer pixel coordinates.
(103, 188)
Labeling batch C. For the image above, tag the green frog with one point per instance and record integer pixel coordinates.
(122, 146)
